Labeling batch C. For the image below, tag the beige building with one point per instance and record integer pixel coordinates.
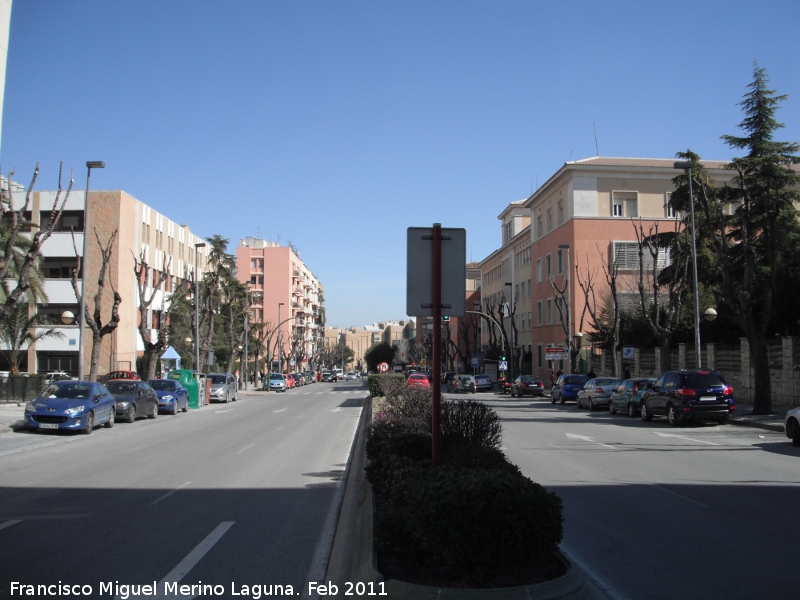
(141, 231)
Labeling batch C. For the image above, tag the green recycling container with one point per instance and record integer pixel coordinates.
(187, 379)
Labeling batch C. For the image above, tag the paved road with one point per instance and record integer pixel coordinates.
(238, 493)
(700, 511)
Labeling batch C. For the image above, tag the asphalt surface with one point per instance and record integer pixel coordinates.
(237, 494)
(657, 512)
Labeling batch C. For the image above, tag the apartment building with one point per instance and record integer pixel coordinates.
(287, 296)
(583, 216)
(141, 231)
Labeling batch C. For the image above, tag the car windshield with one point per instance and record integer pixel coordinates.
(481, 377)
(217, 378)
(607, 381)
(118, 375)
(703, 381)
(72, 390)
(121, 387)
(164, 386)
(573, 379)
(276, 376)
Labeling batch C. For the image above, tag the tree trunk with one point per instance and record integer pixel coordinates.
(762, 386)
(665, 358)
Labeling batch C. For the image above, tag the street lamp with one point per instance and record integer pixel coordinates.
(569, 308)
(67, 317)
(90, 164)
(511, 324)
(686, 165)
(710, 314)
(197, 307)
(280, 342)
(578, 343)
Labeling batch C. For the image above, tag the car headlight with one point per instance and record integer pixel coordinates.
(30, 407)
(170, 397)
(74, 411)
(123, 403)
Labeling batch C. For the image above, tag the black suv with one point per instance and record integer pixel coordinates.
(682, 395)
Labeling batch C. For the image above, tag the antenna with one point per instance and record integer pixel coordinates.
(596, 146)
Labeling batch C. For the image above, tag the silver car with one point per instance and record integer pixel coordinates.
(597, 392)
(223, 387)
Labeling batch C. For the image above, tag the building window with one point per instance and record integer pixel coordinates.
(549, 265)
(560, 212)
(59, 268)
(624, 204)
(539, 356)
(539, 231)
(626, 256)
(669, 210)
(70, 220)
(538, 270)
(549, 220)
(560, 261)
(549, 311)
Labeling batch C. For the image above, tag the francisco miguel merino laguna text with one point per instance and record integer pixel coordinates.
(125, 591)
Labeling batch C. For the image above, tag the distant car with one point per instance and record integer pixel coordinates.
(791, 426)
(597, 392)
(628, 395)
(566, 387)
(120, 375)
(298, 379)
(172, 396)
(681, 395)
(73, 405)
(224, 387)
(527, 385)
(483, 383)
(56, 376)
(461, 383)
(351, 376)
(134, 399)
(447, 376)
(289, 381)
(328, 376)
(418, 380)
(277, 383)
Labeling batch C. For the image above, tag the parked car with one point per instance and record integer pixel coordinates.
(418, 380)
(328, 376)
(597, 392)
(289, 381)
(351, 376)
(483, 383)
(298, 379)
(133, 399)
(791, 425)
(447, 376)
(172, 396)
(505, 384)
(72, 405)
(566, 387)
(461, 383)
(56, 376)
(224, 387)
(277, 383)
(628, 395)
(680, 395)
(527, 384)
(120, 375)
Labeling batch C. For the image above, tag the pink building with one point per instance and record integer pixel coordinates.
(287, 297)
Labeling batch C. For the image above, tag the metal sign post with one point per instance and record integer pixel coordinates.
(436, 430)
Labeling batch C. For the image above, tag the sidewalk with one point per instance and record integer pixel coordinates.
(743, 415)
(11, 416)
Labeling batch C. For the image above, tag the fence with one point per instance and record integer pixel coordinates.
(20, 389)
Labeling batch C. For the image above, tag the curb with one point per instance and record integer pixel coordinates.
(767, 426)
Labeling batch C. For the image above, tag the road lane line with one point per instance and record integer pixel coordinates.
(281, 410)
(246, 447)
(132, 449)
(168, 494)
(586, 438)
(10, 523)
(657, 486)
(216, 412)
(611, 592)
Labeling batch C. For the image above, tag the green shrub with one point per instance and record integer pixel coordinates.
(377, 382)
(471, 421)
(473, 521)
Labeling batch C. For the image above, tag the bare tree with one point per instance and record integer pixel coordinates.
(604, 311)
(95, 320)
(662, 288)
(11, 263)
(564, 307)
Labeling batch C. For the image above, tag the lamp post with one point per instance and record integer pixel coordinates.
(280, 341)
(90, 164)
(511, 314)
(246, 333)
(686, 165)
(569, 310)
(578, 343)
(197, 307)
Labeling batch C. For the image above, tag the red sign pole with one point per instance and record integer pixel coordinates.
(436, 432)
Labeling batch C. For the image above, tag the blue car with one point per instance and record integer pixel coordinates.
(172, 396)
(72, 405)
(566, 387)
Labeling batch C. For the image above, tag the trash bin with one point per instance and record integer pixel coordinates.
(194, 382)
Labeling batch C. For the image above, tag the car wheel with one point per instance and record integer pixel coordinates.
(611, 408)
(186, 406)
(89, 424)
(130, 416)
(552, 399)
(724, 420)
(153, 411)
(645, 413)
(631, 409)
(796, 434)
(175, 407)
(672, 416)
(562, 399)
(111, 418)
(227, 397)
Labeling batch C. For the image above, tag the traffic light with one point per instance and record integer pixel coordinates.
(445, 318)
(503, 357)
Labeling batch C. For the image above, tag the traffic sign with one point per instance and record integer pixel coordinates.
(628, 352)
(503, 366)
(474, 362)
(556, 353)
(383, 367)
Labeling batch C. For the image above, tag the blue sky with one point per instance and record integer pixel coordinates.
(337, 125)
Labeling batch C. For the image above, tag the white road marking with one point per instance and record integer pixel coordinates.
(586, 438)
(188, 563)
(10, 523)
(611, 592)
(168, 494)
(132, 449)
(216, 412)
(683, 437)
(246, 447)
(281, 410)
(337, 409)
(657, 486)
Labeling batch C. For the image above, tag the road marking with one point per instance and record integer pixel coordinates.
(683, 437)
(337, 409)
(168, 494)
(10, 523)
(586, 438)
(216, 412)
(188, 563)
(611, 592)
(281, 410)
(246, 447)
(132, 449)
(320, 392)
(657, 486)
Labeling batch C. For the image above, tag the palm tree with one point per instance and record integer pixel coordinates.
(19, 330)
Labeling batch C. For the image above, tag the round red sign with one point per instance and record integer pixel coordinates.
(383, 367)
